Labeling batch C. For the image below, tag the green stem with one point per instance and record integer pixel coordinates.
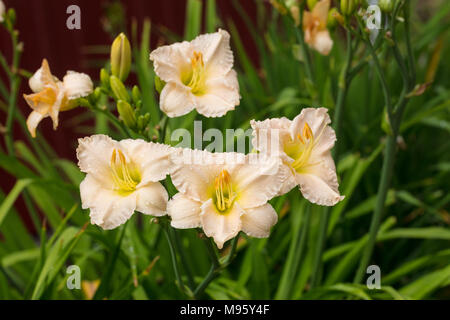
(379, 70)
(212, 274)
(304, 47)
(230, 256)
(173, 257)
(14, 80)
(386, 174)
(389, 158)
(216, 267)
(183, 257)
(344, 83)
(294, 256)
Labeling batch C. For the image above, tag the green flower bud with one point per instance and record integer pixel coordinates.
(136, 94)
(126, 114)
(348, 6)
(104, 78)
(332, 18)
(311, 4)
(386, 5)
(159, 84)
(118, 88)
(11, 16)
(121, 57)
(97, 93)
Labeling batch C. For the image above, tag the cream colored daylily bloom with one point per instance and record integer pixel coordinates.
(225, 193)
(52, 96)
(122, 176)
(198, 74)
(315, 27)
(304, 144)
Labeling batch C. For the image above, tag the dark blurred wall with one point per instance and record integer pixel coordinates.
(42, 26)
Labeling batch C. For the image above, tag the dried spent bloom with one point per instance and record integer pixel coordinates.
(304, 144)
(52, 96)
(315, 29)
(198, 75)
(122, 176)
(225, 193)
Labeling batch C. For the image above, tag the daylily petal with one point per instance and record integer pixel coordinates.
(176, 100)
(77, 85)
(256, 222)
(258, 180)
(152, 158)
(319, 183)
(216, 50)
(320, 11)
(222, 96)
(152, 199)
(41, 78)
(323, 43)
(194, 171)
(32, 122)
(316, 118)
(185, 213)
(169, 61)
(221, 227)
(270, 134)
(107, 209)
(94, 155)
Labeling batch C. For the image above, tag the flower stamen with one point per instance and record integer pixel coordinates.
(224, 195)
(125, 175)
(197, 79)
(306, 139)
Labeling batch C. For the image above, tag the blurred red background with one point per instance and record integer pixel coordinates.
(42, 27)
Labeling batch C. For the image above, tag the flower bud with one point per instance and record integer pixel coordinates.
(386, 5)
(136, 94)
(311, 4)
(348, 6)
(104, 78)
(333, 16)
(126, 113)
(119, 90)
(121, 57)
(159, 84)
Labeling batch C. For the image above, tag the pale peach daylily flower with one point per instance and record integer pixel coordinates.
(304, 144)
(198, 74)
(122, 176)
(315, 29)
(225, 193)
(52, 96)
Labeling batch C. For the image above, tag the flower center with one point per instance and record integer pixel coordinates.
(224, 195)
(195, 77)
(300, 149)
(46, 96)
(126, 176)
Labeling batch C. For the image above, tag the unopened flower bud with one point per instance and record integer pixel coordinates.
(333, 16)
(121, 57)
(104, 78)
(118, 88)
(126, 113)
(136, 94)
(348, 6)
(386, 5)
